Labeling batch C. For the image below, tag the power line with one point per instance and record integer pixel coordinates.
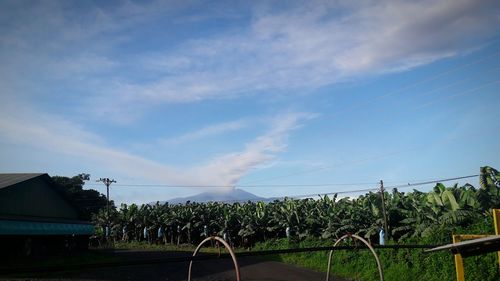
(259, 185)
(270, 199)
(394, 92)
(433, 181)
(304, 185)
(311, 195)
(400, 90)
(426, 93)
(429, 92)
(391, 93)
(444, 73)
(372, 189)
(332, 193)
(483, 85)
(425, 80)
(377, 189)
(460, 93)
(381, 156)
(304, 195)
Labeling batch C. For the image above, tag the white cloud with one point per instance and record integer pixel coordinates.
(205, 132)
(297, 47)
(50, 133)
(230, 168)
(301, 48)
(83, 65)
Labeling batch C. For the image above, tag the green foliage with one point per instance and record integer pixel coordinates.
(87, 201)
(398, 265)
(413, 217)
(419, 215)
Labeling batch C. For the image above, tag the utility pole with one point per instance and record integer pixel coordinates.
(107, 182)
(383, 208)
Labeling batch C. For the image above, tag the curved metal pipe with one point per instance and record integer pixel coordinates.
(379, 265)
(231, 252)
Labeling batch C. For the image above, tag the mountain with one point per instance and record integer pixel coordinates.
(235, 195)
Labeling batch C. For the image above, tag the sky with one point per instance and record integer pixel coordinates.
(279, 98)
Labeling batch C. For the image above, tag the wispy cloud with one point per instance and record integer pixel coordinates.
(230, 168)
(51, 133)
(298, 46)
(205, 132)
(308, 47)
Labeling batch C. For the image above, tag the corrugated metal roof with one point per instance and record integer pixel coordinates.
(11, 179)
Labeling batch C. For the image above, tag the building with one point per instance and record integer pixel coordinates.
(36, 215)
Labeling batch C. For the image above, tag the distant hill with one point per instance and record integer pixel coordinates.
(235, 195)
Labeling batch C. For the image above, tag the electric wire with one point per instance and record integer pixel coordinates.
(427, 93)
(333, 193)
(433, 181)
(319, 194)
(425, 80)
(326, 185)
(434, 77)
(401, 90)
(245, 186)
(329, 167)
(469, 91)
(378, 189)
(441, 74)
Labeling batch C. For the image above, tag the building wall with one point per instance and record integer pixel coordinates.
(34, 198)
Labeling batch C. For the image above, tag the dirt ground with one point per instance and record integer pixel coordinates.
(251, 268)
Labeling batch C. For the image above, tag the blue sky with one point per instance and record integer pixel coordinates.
(227, 93)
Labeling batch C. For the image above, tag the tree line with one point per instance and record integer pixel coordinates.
(410, 215)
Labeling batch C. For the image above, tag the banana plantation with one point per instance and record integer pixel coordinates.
(410, 215)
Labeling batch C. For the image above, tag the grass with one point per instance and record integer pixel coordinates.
(398, 265)
(142, 245)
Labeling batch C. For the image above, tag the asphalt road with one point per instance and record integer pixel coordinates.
(251, 268)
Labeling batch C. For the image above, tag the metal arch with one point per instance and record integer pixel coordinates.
(231, 252)
(379, 265)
